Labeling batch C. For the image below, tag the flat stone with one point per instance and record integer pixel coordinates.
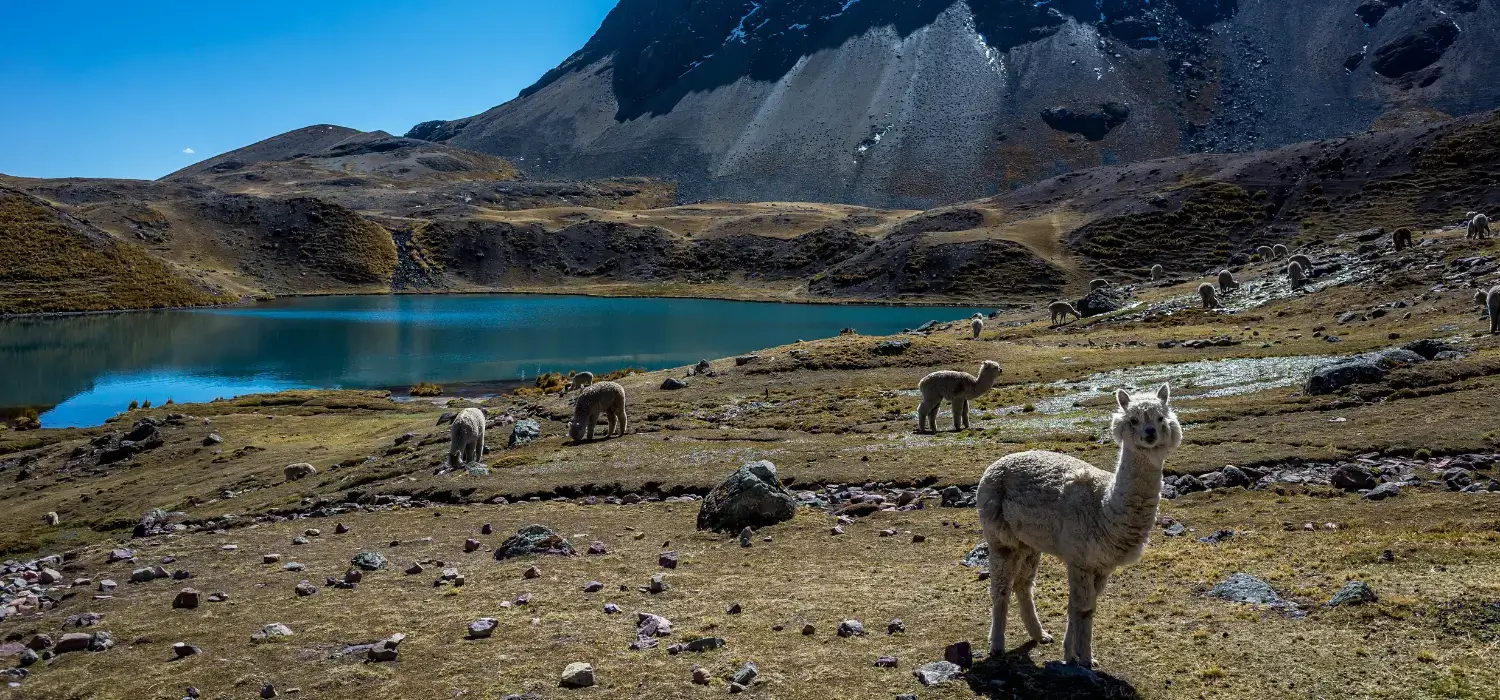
(369, 561)
(851, 628)
(1244, 588)
(482, 628)
(936, 672)
(184, 650)
(1354, 593)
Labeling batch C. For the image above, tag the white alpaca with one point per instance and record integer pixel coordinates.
(1482, 299)
(580, 381)
(978, 327)
(605, 397)
(1479, 227)
(466, 437)
(1094, 521)
(1305, 262)
(1226, 282)
(1264, 252)
(1097, 285)
(1279, 251)
(1295, 273)
(958, 388)
(1158, 273)
(1060, 310)
(1492, 307)
(300, 470)
(1210, 299)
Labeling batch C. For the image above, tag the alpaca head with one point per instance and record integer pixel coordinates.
(1146, 421)
(575, 430)
(990, 369)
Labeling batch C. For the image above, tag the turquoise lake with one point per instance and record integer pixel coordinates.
(81, 370)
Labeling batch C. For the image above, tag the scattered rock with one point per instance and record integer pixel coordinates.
(960, 654)
(673, 384)
(471, 545)
(531, 572)
(931, 674)
(578, 675)
(275, 630)
(667, 560)
(658, 584)
(184, 650)
(1383, 491)
(1354, 593)
(733, 609)
(369, 561)
(1353, 477)
(1244, 588)
(751, 497)
(525, 432)
(482, 628)
(886, 662)
(597, 548)
(305, 589)
(593, 587)
(851, 628)
(531, 540)
(746, 675)
(701, 675)
(895, 626)
(187, 599)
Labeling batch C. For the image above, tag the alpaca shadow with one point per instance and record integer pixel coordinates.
(1016, 676)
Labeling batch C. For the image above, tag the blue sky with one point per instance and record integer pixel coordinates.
(120, 89)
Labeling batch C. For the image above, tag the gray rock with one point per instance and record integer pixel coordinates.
(746, 675)
(482, 628)
(960, 654)
(143, 575)
(1383, 491)
(611, 609)
(1244, 588)
(305, 589)
(294, 566)
(673, 384)
(593, 587)
(752, 496)
(892, 347)
(275, 630)
(525, 432)
(851, 628)
(1175, 530)
(1353, 477)
(533, 540)
(886, 662)
(1364, 369)
(931, 674)
(74, 641)
(667, 560)
(978, 557)
(895, 626)
(1457, 479)
(1099, 301)
(120, 555)
(369, 561)
(743, 360)
(704, 644)
(578, 675)
(184, 650)
(1234, 476)
(1354, 593)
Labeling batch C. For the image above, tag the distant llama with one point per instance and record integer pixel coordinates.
(607, 398)
(1401, 239)
(958, 388)
(1093, 520)
(1210, 298)
(1158, 273)
(1479, 227)
(1060, 310)
(1226, 282)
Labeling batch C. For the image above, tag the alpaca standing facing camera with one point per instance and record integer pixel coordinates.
(1094, 521)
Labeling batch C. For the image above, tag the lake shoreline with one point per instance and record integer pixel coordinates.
(626, 294)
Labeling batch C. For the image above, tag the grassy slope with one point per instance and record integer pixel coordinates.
(51, 262)
(839, 414)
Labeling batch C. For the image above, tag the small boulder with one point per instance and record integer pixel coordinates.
(1353, 593)
(483, 628)
(578, 675)
(851, 628)
(184, 650)
(931, 674)
(187, 599)
(752, 496)
(673, 384)
(525, 432)
(534, 539)
(1383, 491)
(1353, 477)
(369, 561)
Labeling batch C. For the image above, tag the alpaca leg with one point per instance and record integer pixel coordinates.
(964, 413)
(1081, 597)
(1003, 565)
(923, 413)
(593, 420)
(1025, 586)
(609, 416)
(622, 421)
(957, 405)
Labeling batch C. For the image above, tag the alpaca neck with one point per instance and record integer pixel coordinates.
(1136, 489)
(984, 383)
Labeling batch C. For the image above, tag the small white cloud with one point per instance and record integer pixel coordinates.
(189, 151)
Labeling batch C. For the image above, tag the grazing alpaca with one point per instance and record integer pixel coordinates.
(1401, 239)
(605, 397)
(1479, 227)
(466, 437)
(1295, 273)
(1210, 299)
(958, 388)
(1305, 262)
(978, 326)
(1226, 282)
(580, 381)
(1060, 310)
(1097, 285)
(1158, 273)
(1492, 307)
(1279, 251)
(1094, 521)
(1482, 299)
(1264, 252)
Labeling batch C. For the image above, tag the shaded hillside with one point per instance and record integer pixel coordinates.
(915, 103)
(50, 261)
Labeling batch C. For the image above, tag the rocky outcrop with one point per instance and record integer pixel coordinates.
(751, 497)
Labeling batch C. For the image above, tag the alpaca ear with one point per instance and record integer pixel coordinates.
(1164, 393)
(1123, 397)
